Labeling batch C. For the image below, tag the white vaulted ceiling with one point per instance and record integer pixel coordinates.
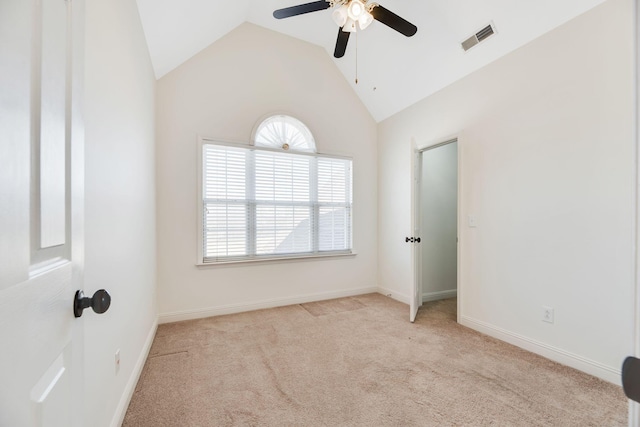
(393, 71)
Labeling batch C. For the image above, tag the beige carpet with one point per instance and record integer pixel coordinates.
(358, 362)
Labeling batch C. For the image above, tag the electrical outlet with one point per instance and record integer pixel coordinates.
(547, 314)
(117, 360)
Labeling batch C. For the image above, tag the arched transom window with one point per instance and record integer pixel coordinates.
(286, 133)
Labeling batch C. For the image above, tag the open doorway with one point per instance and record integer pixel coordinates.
(436, 225)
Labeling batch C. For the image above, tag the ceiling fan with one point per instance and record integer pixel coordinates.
(351, 15)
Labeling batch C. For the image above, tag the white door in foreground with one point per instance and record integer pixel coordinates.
(41, 179)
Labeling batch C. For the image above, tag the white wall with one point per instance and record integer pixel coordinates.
(222, 92)
(439, 221)
(546, 144)
(120, 204)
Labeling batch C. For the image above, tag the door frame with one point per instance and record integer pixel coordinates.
(416, 250)
(634, 408)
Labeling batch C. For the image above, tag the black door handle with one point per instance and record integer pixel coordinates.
(631, 378)
(99, 302)
(417, 240)
(412, 239)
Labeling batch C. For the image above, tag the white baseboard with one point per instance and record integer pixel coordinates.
(556, 354)
(178, 316)
(123, 404)
(394, 295)
(434, 296)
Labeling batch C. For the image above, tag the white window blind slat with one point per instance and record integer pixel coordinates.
(260, 203)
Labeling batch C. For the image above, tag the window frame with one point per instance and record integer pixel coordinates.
(304, 129)
(200, 261)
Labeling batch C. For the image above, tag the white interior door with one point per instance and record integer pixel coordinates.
(416, 301)
(416, 292)
(41, 187)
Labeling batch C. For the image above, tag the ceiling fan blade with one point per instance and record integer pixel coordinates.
(392, 20)
(341, 43)
(300, 9)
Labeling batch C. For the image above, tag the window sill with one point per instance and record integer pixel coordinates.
(274, 260)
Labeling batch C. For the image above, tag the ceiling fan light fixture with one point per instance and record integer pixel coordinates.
(350, 16)
(340, 15)
(365, 20)
(350, 26)
(356, 9)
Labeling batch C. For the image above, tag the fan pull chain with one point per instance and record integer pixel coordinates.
(356, 57)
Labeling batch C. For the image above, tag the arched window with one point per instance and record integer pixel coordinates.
(286, 133)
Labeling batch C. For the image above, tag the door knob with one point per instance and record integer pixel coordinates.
(99, 302)
(631, 378)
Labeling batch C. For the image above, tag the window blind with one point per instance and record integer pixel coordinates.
(266, 204)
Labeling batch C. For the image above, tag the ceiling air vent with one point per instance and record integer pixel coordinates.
(481, 35)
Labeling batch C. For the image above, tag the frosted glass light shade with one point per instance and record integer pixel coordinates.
(352, 17)
(365, 20)
(340, 15)
(356, 9)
